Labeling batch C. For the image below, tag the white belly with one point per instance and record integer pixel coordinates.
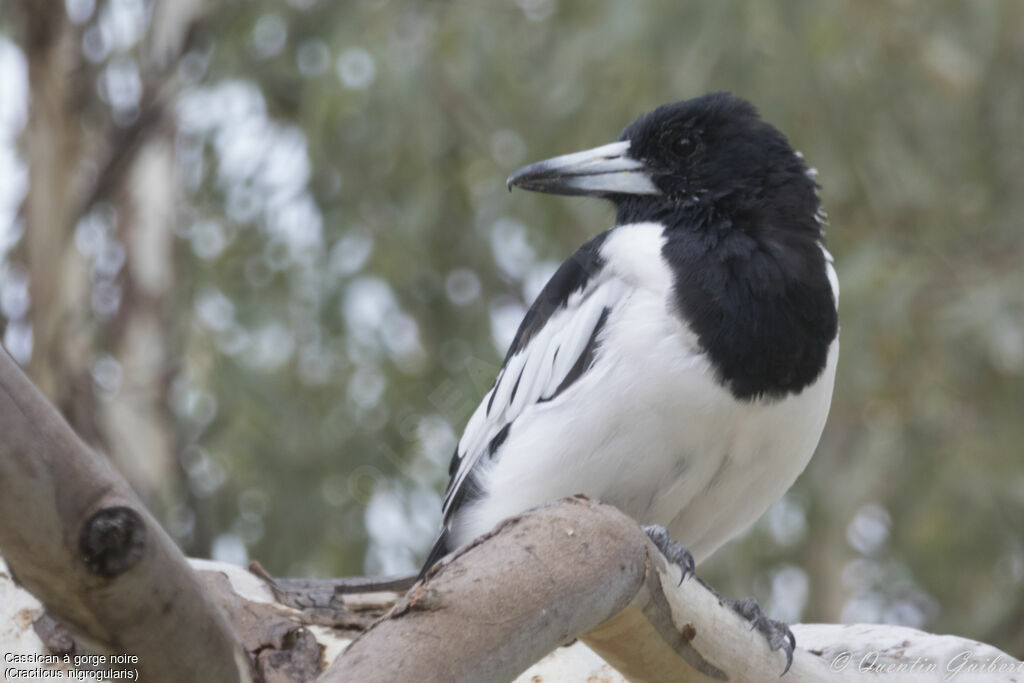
(655, 435)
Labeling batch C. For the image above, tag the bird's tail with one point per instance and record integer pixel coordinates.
(439, 550)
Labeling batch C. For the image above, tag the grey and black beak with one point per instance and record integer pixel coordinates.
(605, 170)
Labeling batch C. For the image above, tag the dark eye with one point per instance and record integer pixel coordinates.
(685, 146)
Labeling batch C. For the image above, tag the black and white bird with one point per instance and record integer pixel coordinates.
(679, 365)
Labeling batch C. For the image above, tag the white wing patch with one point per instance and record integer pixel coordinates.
(632, 259)
(536, 372)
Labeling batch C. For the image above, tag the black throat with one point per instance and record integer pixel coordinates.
(751, 282)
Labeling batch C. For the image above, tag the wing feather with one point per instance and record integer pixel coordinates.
(537, 371)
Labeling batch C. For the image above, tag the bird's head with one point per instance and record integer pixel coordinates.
(711, 154)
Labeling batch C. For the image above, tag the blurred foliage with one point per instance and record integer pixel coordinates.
(351, 268)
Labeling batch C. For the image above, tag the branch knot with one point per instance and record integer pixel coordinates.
(112, 541)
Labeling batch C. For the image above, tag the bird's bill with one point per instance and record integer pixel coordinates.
(600, 171)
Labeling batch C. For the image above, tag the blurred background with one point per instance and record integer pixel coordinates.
(262, 255)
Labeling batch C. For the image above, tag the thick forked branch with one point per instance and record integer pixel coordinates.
(74, 534)
(504, 602)
(578, 569)
(463, 625)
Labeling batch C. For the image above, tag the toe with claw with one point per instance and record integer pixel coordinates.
(776, 632)
(674, 551)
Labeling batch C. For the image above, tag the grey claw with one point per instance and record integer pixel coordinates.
(777, 633)
(674, 551)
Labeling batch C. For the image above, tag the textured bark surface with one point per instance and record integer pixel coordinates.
(507, 600)
(579, 569)
(668, 631)
(75, 536)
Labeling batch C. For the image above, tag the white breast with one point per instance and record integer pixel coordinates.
(648, 428)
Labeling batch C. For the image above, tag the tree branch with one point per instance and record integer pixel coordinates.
(461, 625)
(74, 534)
(579, 569)
(507, 600)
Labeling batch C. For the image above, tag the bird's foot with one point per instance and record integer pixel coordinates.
(777, 633)
(673, 550)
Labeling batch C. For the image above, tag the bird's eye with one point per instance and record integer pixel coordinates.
(684, 146)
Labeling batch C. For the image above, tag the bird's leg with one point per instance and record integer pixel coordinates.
(776, 632)
(673, 550)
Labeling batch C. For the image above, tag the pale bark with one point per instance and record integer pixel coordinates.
(506, 601)
(281, 636)
(577, 569)
(483, 617)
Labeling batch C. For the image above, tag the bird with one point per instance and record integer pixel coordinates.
(679, 365)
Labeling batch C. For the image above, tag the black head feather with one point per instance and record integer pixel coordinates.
(743, 238)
